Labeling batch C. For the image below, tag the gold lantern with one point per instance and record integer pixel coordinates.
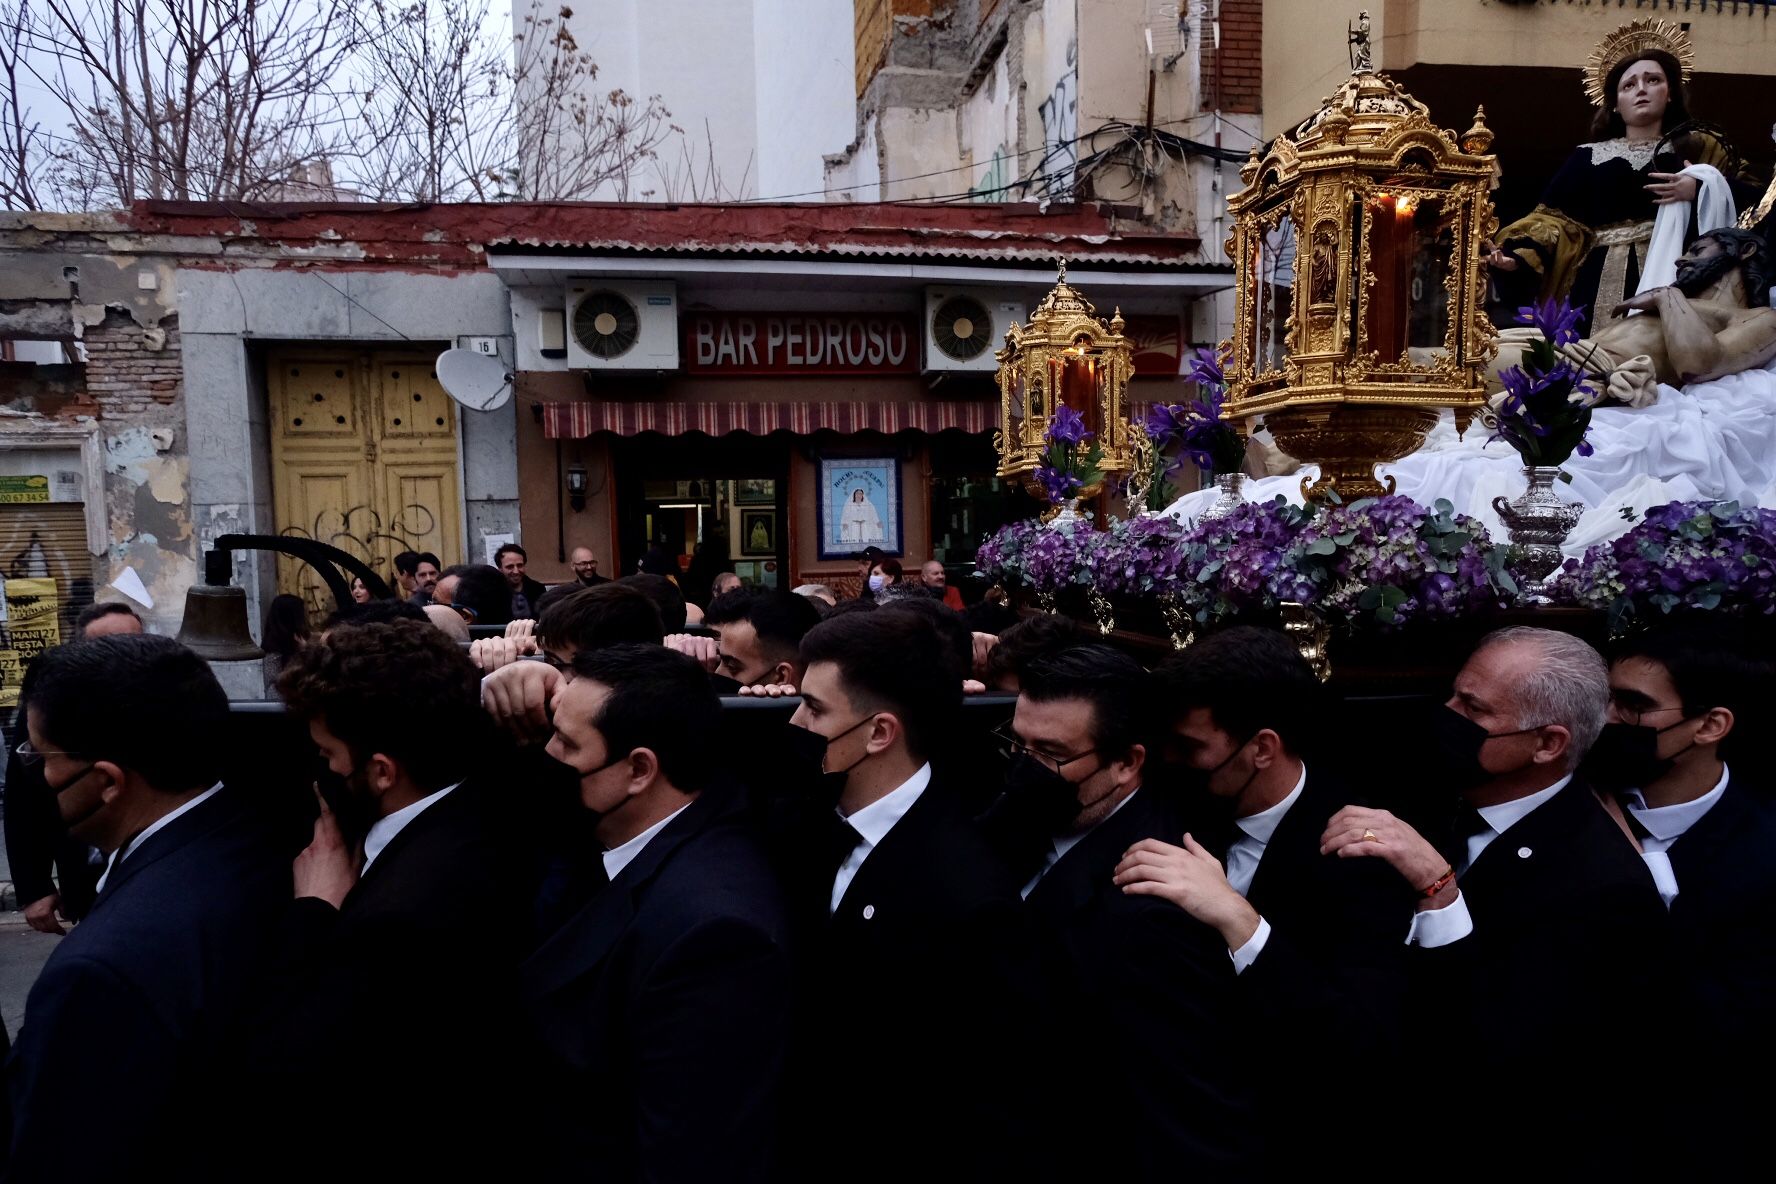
(1361, 282)
(1067, 357)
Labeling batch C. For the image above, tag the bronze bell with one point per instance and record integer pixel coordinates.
(215, 622)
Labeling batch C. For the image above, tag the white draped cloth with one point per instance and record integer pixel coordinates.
(1671, 225)
(1708, 440)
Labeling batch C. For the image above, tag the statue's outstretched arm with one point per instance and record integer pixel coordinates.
(1747, 343)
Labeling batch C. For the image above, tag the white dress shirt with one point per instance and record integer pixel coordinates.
(620, 857)
(384, 830)
(1452, 922)
(873, 822)
(1243, 855)
(1665, 825)
(1065, 843)
(149, 831)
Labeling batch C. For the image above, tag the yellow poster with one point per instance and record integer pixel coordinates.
(30, 626)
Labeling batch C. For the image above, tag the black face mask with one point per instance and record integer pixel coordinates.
(1626, 756)
(807, 751)
(1454, 750)
(1051, 798)
(1208, 775)
(68, 824)
(353, 805)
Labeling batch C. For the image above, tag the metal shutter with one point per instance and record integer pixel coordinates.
(43, 541)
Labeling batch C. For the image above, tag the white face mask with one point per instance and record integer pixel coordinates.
(877, 583)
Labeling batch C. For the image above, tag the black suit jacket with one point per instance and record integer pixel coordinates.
(1541, 1014)
(1147, 1000)
(663, 1011)
(919, 1018)
(125, 1027)
(368, 1004)
(1335, 961)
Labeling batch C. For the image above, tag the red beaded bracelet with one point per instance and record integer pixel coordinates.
(1440, 883)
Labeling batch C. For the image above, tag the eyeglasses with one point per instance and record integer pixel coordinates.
(1011, 747)
(1631, 713)
(30, 755)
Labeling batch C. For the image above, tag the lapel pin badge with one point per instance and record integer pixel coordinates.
(1524, 853)
(869, 910)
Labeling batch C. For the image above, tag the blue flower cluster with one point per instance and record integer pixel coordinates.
(1715, 556)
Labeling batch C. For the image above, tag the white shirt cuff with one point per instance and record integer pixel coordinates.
(1441, 927)
(1248, 953)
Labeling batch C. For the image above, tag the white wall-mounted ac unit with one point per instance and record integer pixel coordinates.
(964, 327)
(622, 325)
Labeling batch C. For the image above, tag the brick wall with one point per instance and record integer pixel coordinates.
(131, 370)
(1238, 69)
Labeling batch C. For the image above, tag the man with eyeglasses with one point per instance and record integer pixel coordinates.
(129, 1019)
(1154, 985)
(1683, 699)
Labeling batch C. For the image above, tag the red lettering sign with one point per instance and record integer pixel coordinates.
(791, 343)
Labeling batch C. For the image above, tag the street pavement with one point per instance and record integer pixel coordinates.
(23, 951)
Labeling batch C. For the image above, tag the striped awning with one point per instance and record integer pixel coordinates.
(576, 420)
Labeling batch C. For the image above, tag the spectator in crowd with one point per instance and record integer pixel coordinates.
(1317, 943)
(655, 562)
(377, 612)
(936, 583)
(884, 582)
(1011, 653)
(448, 622)
(725, 582)
(360, 592)
(1684, 699)
(511, 560)
(757, 636)
(416, 573)
(129, 1018)
(664, 1005)
(483, 596)
(665, 595)
(283, 632)
(866, 563)
(1539, 935)
(400, 924)
(1150, 976)
(444, 591)
(819, 593)
(918, 932)
(585, 569)
(53, 875)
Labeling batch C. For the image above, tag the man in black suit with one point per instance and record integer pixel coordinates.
(36, 841)
(401, 930)
(1317, 942)
(663, 1005)
(1683, 700)
(126, 1025)
(1539, 935)
(918, 1021)
(1151, 989)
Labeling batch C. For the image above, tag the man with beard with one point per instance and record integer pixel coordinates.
(402, 926)
(1713, 321)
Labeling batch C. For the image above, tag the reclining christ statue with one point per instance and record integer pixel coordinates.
(1714, 320)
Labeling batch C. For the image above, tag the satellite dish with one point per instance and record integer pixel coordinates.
(477, 381)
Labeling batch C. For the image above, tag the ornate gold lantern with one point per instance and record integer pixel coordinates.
(1361, 282)
(1066, 357)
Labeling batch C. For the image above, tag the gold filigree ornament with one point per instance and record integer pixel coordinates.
(1629, 41)
(1103, 611)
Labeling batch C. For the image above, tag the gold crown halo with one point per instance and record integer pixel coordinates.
(1636, 37)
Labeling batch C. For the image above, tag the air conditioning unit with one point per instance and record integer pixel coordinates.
(622, 325)
(964, 327)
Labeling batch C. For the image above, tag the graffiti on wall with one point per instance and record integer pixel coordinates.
(997, 178)
(361, 533)
(1060, 126)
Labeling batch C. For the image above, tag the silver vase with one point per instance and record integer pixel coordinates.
(1068, 517)
(1538, 522)
(1230, 485)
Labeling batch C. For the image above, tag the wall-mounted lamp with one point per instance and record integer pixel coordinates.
(576, 486)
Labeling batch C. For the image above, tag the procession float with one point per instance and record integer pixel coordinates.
(1384, 472)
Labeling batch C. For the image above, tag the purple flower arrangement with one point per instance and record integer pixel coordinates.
(1068, 466)
(1001, 557)
(1231, 561)
(1682, 555)
(1138, 558)
(1389, 561)
(1204, 437)
(1032, 554)
(1545, 411)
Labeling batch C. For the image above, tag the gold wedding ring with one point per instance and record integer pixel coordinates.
(1369, 837)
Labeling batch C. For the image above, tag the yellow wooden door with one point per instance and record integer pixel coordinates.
(364, 458)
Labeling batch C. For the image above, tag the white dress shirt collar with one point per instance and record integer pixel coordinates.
(873, 822)
(1243, 854)
(1669, 823)
(384, 830)
(1505, 815)
(620, 857)
(1262, 825)
(153, 828)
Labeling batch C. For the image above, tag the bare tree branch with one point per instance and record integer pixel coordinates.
(22, 152)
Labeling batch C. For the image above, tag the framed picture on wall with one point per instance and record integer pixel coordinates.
(755, 491)
(758, 532)
(859, 505)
